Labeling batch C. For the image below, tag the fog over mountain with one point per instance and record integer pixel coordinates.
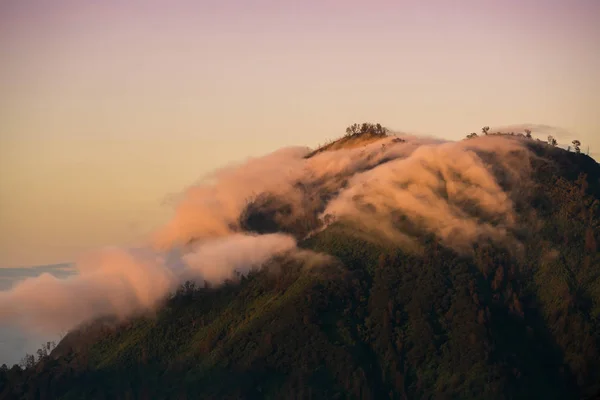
(476, 230)
(429, 182)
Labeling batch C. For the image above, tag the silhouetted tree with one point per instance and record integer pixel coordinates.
(552, 141)
(28, 361)
(576, 146)
(353, 129)
(472, 135)
(528, 133)
(485, 130)
(366, 128)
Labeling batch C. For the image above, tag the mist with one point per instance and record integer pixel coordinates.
(120, 282)
(395, 187)
(446, 189)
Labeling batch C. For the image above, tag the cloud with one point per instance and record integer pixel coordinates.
(10, 276)
(212, 207)
(241, 216)
(540, 131)
(122, 282)
(112, 281)
(446, 189)
(216, 260)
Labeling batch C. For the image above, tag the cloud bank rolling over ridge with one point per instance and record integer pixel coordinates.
(462, 192)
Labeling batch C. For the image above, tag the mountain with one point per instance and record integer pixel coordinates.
(423, 270)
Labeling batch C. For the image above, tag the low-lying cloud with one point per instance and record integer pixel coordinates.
(461, 192)
(446, 189)
(120, 282)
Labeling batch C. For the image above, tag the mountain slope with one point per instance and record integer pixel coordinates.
(513, 314)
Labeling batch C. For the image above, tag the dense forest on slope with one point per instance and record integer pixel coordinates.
(502, 320)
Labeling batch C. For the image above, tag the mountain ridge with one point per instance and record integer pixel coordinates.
(481, 307)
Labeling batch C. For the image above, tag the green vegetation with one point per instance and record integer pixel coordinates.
(382, 323)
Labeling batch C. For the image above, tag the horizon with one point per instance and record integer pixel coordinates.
(102, 127)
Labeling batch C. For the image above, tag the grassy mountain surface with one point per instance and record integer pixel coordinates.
(376, 320)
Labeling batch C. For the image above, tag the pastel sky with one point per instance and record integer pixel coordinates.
(108, 107)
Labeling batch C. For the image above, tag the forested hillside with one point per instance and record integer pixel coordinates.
(495, 303)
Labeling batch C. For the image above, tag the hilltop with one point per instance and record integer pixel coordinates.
(356, 136)
(422, 270)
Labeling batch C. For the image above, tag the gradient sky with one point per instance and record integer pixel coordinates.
(108, 107)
